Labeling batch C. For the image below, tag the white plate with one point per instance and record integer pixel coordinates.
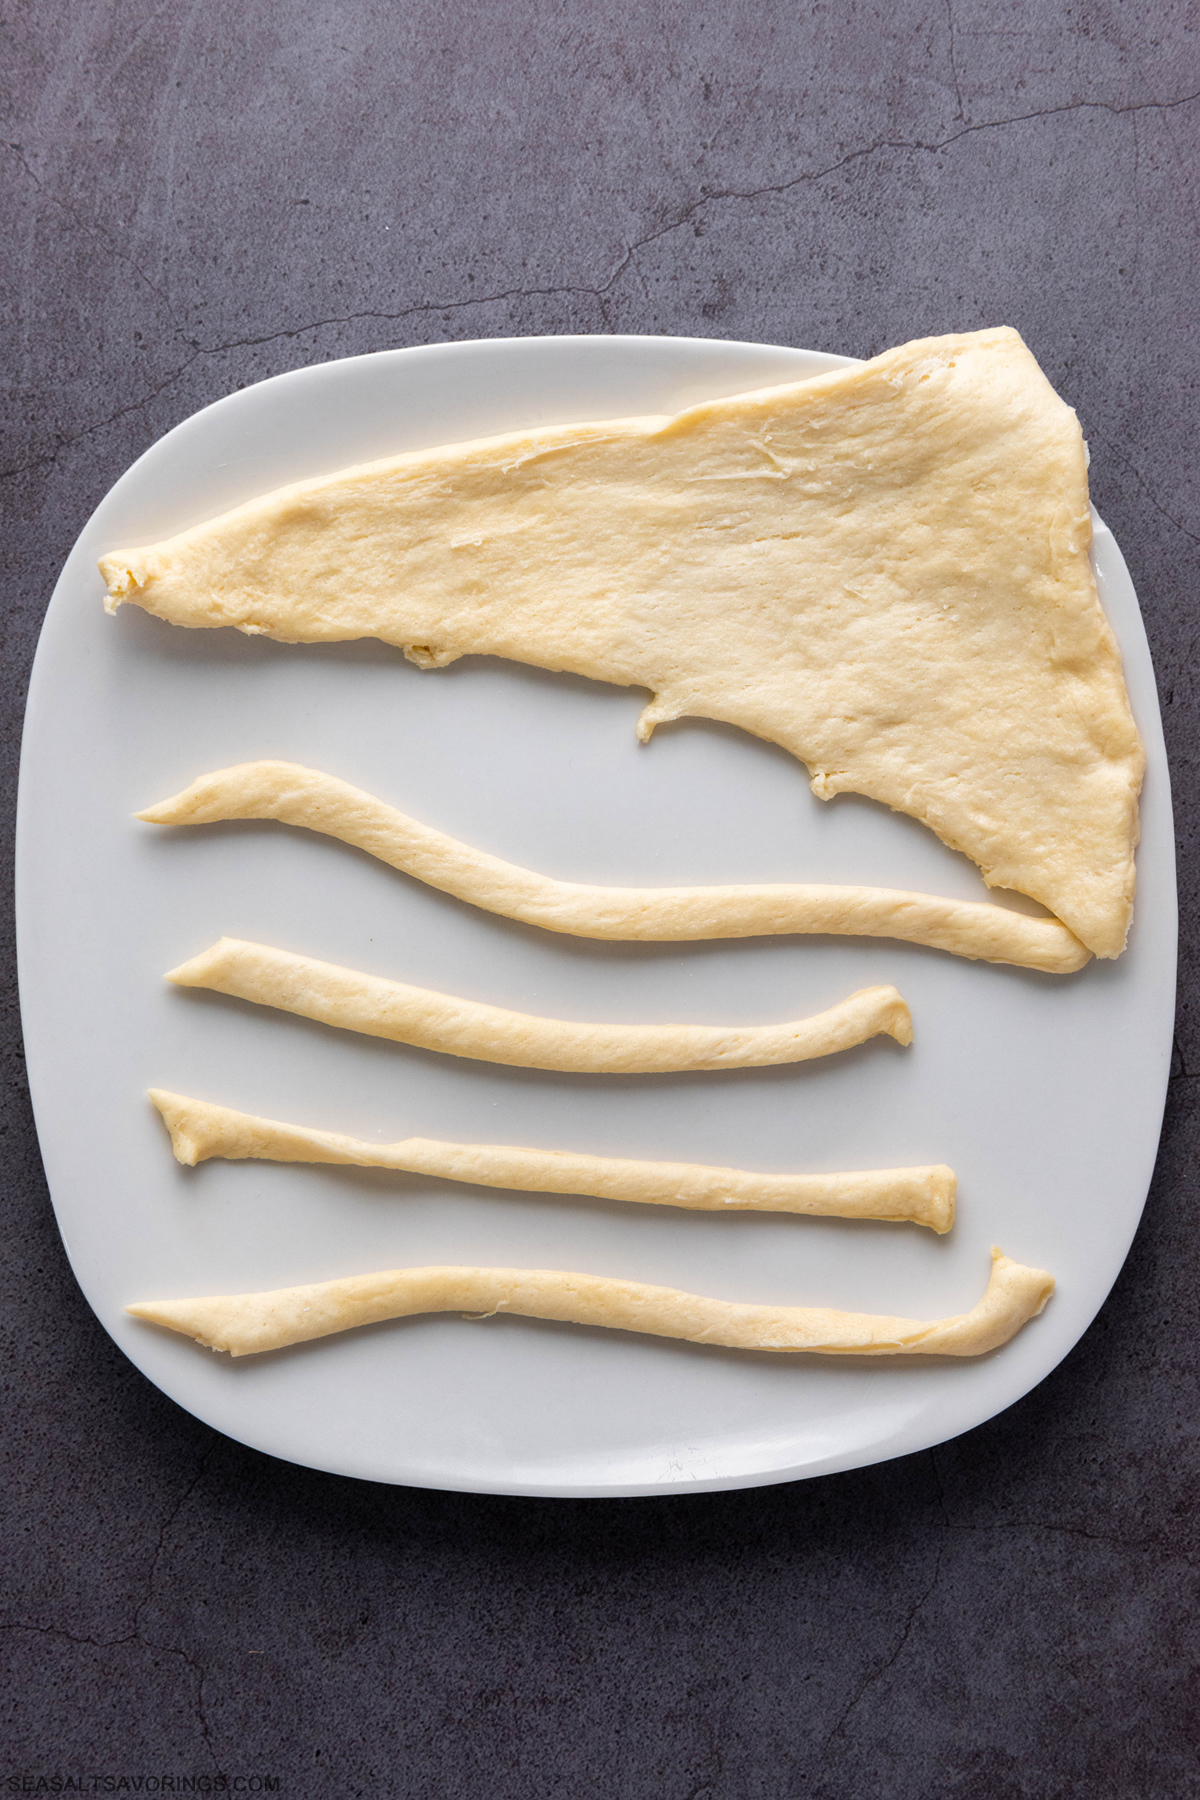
(1045, 1094)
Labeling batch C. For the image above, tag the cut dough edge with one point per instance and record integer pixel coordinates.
(247, 1323)
(922, 1196)
(370, 1004)
(315, 801)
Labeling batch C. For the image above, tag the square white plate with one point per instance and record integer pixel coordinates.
(1045, 1094)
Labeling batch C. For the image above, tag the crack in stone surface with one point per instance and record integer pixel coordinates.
(1156, 503)
(719, 196)
(878, 1674)
(916, 145)
(147, 1643)
(168, 1522)
(88, 225)
(1148, 1546)
(137, 1635)
(77, 437)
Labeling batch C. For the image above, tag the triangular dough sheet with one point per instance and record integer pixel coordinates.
(884, 569)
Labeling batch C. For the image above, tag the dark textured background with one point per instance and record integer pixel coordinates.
(197, 196)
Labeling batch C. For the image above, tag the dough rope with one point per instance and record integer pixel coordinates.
(318, 802)
(246, 1323)
(884, 569)
(409, 1015)
(924, 1196)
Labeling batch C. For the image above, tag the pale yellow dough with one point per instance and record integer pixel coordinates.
(884, 569)
(299, 796)
(923, 1195)
(411, 1015)
(244, 1323)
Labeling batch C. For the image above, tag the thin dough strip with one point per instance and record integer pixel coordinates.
(305, 797)
(245, 1323)
(925, 1196)
(411, 1015)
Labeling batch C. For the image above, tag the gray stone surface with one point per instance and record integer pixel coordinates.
(200, 196)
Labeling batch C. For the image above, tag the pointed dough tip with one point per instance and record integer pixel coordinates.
(180, 1116)
(197, 970)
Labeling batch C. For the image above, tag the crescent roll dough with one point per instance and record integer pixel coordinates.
(883, 569)
(299, 796)
(924, 1195)
(244, 1323)
(411, 1015)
